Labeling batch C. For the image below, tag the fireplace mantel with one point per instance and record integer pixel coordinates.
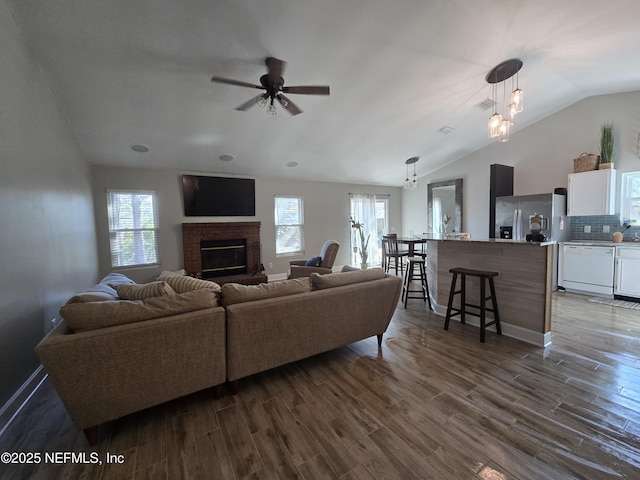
(194, 233)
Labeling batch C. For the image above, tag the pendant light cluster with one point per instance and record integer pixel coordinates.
(500, 125)
(411, 184)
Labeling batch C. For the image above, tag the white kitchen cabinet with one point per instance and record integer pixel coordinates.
(592, 193)
(627, 271)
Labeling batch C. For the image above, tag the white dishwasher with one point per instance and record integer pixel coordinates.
(588, 269)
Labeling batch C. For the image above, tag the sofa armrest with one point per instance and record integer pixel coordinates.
(300, 263)
(302, 271)
(104, 374)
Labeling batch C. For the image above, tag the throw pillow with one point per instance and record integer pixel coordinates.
(313, 262)
(236, 293)
(182, 284)
(134, 291)
(169, 273)
(92, 297)
(115, 278)
(81, 317)
(320, 282)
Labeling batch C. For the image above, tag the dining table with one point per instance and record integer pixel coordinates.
(411, 243)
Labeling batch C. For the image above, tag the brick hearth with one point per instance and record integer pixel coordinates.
(194, 233)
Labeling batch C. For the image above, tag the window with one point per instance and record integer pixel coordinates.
(133, 228)
(631, 198)
(289, 221)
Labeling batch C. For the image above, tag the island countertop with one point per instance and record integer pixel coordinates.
(523, 285)
(460, 238)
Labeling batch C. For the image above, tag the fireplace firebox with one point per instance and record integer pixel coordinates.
(221, 258)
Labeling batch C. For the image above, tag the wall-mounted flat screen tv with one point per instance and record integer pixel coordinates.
(218, 196)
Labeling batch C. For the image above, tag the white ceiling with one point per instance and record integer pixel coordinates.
(138, 71)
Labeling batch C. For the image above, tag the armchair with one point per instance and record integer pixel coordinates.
(302, 268)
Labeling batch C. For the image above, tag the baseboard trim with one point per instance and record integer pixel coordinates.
(16, 403)
(528, 336)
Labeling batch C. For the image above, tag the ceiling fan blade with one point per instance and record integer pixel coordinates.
(308, 89)
(250, 103)
(238, 83)
(288, 105)
(275, 68)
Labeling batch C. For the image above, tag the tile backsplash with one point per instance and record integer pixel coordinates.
(597, 222)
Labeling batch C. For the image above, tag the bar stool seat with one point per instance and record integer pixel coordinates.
(413, 262)
(482, 275)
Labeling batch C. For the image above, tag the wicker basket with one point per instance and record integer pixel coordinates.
(586, 162)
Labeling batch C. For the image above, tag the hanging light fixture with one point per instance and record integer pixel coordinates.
(500, 125)
(411, 184)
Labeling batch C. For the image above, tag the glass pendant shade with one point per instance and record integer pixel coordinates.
(495, 121)
(505, 128)
(517, 100)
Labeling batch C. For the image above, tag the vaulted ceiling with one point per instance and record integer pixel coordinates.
(138, 72)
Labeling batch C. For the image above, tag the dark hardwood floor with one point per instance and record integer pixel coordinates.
(428, 404)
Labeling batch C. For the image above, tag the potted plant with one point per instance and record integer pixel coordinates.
(606, 146)
(364, 242)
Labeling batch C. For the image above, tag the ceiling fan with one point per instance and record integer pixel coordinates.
(273, 85)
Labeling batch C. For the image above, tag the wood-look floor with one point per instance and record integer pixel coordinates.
(429, 404)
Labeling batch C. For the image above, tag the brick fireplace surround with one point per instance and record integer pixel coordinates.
(194, 233)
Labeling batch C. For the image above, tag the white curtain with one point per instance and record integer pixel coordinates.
(363, 210)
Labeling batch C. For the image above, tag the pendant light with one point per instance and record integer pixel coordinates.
(499, 126)
(413, 183)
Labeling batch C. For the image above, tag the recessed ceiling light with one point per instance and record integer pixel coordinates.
(292, 164)
(226, 157)
(138, 147)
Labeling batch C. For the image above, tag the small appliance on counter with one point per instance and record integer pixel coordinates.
(537, 224)
(506, 232)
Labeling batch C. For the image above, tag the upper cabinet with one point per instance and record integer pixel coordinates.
(592, 193)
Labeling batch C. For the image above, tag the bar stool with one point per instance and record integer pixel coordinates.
(482, 275)
(412, 262)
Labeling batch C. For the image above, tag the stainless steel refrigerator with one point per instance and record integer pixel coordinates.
(515, 212)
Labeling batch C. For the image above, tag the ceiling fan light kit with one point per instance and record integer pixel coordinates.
(273, 85)
(499, 126)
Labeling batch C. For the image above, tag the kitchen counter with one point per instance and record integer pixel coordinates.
(456, 238)
(602, 243)
(523, 286)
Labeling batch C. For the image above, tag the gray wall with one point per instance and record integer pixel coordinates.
(326, 215)
(541, 154)
(48, 239)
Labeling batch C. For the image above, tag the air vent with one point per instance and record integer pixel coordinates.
(486, 104)
(446, 130)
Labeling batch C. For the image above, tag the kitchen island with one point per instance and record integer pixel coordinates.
(523, 287)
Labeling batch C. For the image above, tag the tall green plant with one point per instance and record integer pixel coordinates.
(364, 243)
(606, 142)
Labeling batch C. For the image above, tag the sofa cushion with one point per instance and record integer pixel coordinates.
(184, 283)
(80, 317)
(135, 291)
(320, 282)
(349, 268)
(236, 293)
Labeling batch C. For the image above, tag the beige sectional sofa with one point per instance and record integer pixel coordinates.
(332, 311)
(111, 356)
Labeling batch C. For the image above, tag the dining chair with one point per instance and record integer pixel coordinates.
(390, 252)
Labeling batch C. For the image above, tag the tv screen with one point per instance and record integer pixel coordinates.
(218, 196)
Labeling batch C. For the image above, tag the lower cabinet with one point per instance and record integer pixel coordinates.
(627, 282)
